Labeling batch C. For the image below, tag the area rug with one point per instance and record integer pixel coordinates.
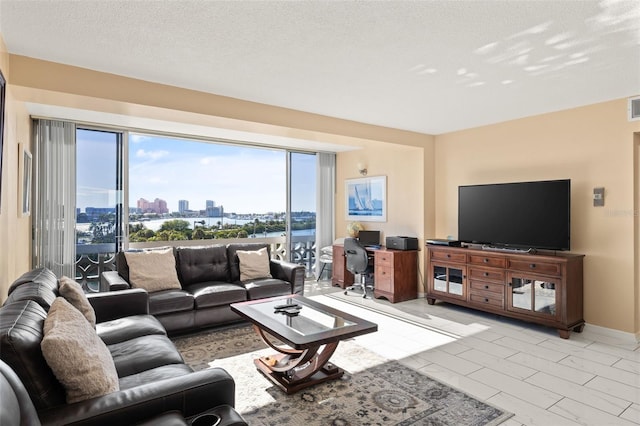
(373, 390)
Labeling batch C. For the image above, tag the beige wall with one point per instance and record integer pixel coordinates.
(15, 244)
(594, 147)
(406, 188)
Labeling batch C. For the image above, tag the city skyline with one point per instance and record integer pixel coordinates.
(242, 179)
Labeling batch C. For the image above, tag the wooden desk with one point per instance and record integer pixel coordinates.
(395, 273)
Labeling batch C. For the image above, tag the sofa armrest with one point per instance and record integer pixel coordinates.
(112, 281)
(117, 304)
(190, 394)
(291, 272)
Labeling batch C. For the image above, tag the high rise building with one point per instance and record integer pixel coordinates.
(158, 206)
(183, 206)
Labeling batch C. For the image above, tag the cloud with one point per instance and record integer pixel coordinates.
(153, 155)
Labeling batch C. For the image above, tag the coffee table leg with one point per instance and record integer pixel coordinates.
(293, 370)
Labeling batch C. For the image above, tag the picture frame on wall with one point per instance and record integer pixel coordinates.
(24, 171)
(3, 84)
(366, 199)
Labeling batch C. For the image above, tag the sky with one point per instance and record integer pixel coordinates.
(242, 179)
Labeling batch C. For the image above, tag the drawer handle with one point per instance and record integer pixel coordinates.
(448, 256)
(486, 274)
(486, 286)
(486, 260)
(486, 300)
(532, 265)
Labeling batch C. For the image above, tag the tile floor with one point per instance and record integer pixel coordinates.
(589, 379)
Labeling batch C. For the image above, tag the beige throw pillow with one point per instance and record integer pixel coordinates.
(254, 264)
(79, 359)
(153, 270)
(72, 291)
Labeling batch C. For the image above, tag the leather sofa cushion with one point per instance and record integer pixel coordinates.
(234, 261)
(202, 264)
(207, 295)
(40, 293)
(127, 328)
(154, 374)
(21, 331)
(169, 301)
(143, 353)
(42, 276)
(270, 287)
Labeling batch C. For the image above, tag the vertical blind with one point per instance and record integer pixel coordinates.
(54, 244)
(325, 194)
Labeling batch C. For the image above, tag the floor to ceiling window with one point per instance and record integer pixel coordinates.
(181, 189)
(302, 208)
(98, 201)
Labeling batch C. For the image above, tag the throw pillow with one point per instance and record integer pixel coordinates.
(79, 359)
(73, 293)
(153, 270)
(254, 264)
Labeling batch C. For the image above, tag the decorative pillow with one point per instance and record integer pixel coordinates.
(79, 359)
(254, 264)
(73, 293)
(153, 270)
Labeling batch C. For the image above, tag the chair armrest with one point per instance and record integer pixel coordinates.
(190, 394)
(118, 304)
(112, 281)
(288, 271)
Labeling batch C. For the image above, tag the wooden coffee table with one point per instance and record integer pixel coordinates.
(311, 332)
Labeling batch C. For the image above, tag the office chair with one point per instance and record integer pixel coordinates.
(357, 264)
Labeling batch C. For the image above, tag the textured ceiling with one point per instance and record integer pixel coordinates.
(425, 66)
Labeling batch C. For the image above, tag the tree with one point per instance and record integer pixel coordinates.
(175, 225)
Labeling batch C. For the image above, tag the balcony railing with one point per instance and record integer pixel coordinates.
(93, 259)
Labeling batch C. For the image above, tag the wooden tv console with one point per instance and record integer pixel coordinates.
(540, 288)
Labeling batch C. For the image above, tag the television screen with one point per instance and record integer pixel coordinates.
(520, 215)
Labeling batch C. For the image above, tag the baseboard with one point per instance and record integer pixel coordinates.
(611, 335)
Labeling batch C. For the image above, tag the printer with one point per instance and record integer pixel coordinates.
(402, 243)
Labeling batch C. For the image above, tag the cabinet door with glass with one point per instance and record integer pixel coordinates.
(448, 280)
(533, 294)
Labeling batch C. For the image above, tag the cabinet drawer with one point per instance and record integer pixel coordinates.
(487, 274)
(482, 287)
(383, 259)
(494, 261)
(486, 298)
(533, 266)
(383, 275)
(449, 256)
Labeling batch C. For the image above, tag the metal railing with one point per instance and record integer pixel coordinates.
(93, 259)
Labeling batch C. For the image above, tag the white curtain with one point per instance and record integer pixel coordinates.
(325, 194)
(54, 221)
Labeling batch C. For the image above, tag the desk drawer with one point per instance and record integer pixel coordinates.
(383, 259)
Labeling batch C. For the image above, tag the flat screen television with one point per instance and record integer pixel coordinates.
(521, 215)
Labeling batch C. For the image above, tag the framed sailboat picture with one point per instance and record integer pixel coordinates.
(366, 199)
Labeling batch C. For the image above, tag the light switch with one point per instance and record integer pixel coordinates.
(598, 197)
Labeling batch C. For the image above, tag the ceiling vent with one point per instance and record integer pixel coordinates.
(634, 108)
